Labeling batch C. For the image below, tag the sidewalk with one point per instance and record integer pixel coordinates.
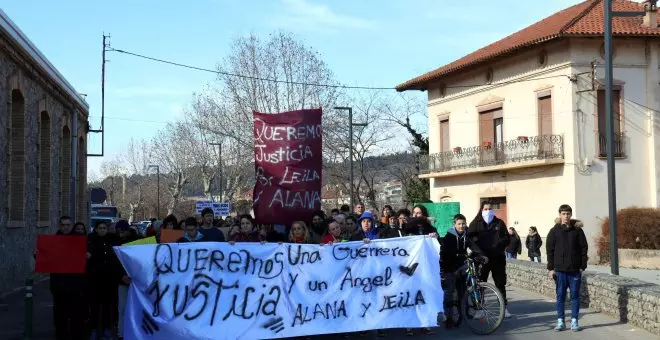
(12, 313)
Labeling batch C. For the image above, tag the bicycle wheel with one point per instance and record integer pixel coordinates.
(475, 311)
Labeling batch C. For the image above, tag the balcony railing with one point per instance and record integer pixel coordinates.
(619, 140)
(511, 151)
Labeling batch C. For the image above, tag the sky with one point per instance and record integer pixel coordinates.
(379, 43)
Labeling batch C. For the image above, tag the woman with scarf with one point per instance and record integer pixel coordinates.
(299, 233)
(489, 237)
(533, 244)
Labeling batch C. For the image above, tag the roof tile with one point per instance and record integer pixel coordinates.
(583, 19)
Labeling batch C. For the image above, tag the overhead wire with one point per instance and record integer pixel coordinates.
(341, 86)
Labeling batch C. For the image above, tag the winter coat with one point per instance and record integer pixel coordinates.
(101, 265)
(453, 251)
(533, 244)
(515, 245)
(567, 248)
(489, 240)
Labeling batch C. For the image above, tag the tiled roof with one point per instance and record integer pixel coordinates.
(583, 19)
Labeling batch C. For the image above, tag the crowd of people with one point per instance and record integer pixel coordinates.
(91, 305)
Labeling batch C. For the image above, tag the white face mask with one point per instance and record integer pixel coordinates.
(488, 215)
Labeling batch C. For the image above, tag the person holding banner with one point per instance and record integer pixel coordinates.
(210, 232)
(244, 232)
(299, 233)
(333, 235)
(126, 235)
(192, 234)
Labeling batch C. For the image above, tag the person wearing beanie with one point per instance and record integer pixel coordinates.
(208, 230)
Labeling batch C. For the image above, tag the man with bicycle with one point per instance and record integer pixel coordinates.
(488, 236)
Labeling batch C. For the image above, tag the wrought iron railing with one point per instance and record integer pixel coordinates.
(511, 151)
(619, 140)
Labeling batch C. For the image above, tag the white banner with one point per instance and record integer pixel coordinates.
(258, 291)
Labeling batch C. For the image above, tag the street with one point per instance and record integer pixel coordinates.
(533, 316)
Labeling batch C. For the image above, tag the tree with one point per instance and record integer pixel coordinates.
(401, 110)
(229, 102)
(136, 159)
(172, 152)
(111, 172)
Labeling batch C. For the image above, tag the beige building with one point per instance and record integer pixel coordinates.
(522, 120)
(43, 143)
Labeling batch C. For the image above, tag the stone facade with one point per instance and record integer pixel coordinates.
(626, 299)
(44, 99)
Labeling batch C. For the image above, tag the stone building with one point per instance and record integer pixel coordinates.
(43, 151)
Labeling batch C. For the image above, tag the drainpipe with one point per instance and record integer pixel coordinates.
(74, 164)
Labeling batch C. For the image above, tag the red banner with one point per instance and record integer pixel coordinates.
(61, 254)
(287, 162)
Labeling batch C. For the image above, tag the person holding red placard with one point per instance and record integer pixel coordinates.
(68, 293)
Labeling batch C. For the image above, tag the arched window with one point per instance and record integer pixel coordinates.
(43, 168)
(82, 180)
(17, 157)
(65, 172)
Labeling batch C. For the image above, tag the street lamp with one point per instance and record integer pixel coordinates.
(157, 189)
(219, 144)
(350, 142)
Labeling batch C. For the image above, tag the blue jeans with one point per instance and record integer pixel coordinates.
(537, 258)
(511, 255)
(572, 281)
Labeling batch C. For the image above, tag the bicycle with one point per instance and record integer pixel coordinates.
(471, 305)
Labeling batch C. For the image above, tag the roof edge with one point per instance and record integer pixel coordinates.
(579, 17)
(33, 52)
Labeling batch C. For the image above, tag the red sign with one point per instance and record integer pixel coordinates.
(287, 162)
(61, 254)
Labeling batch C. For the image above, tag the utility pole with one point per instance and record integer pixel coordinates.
(101, 130)
(220, 178)
(157, 189)
(350, 148)
(609, 122)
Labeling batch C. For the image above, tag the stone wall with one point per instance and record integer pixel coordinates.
(639, 258)
(18, 238)
(625, 299)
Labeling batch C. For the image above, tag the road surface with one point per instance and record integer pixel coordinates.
(534, 317)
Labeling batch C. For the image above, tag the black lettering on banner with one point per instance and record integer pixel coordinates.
(315, 285)
(186, 262)
(367, 283)
(293, 281)
(404, 301)
(165, 259)
(201, 258)
(201, 288)
(303, 257)
(274, 324)
(160, 293)
(149, 325)
(182, 307)
(345, 252)
(334, 310)
(365, 308)
(410, 270)
(267, 305)
(234, 260)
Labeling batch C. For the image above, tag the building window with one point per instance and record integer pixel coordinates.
(444, 136)
(82, 180)
(17, 157)
(618, 131)
(43, 168)
(544, 105)
(491, 136)
(65, 172)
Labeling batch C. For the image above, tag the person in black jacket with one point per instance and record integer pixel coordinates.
(488, 236)
(567, 250)
(192, 233)
(453, 254)
(533, 244)
(102, 272)
(126, 235)
(514, 248)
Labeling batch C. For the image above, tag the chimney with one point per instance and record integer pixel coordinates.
(651, 14)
